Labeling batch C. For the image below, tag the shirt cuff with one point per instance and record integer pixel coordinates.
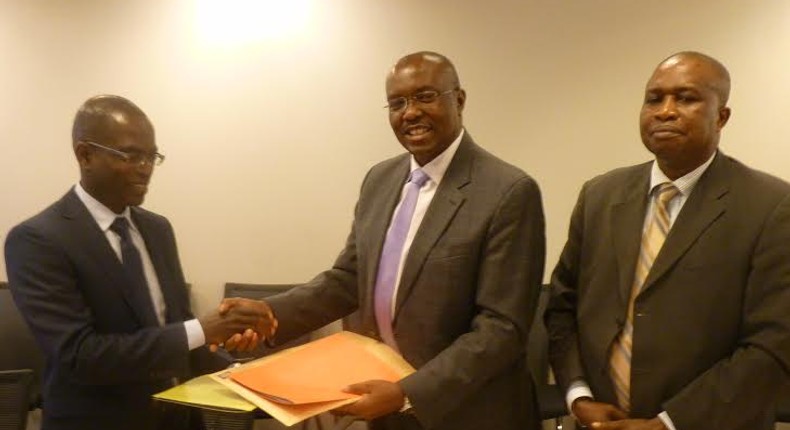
(664, 417)
(577, 389)
(407, 405)
(195, 336)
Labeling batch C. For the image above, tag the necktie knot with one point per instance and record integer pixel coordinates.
(418, 177)
(666, 192)
(121, 227)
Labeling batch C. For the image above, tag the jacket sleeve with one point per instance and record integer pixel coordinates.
(560, 316)
(46, 287)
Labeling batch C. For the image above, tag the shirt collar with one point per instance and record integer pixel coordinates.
(103, 215)
(685, 183)
(436, 168)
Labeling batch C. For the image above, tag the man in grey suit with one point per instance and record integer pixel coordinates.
(670, 299)
(99, 281)
(454, 287)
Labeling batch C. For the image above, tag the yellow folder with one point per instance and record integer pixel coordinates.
(205, 392)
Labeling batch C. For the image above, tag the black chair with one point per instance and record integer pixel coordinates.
(260, 292)
(783, 405)
(551, 399)
(25, 353)
(221, 420)
(15, 387)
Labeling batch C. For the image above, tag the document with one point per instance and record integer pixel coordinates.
(301, 382)
(204, 392)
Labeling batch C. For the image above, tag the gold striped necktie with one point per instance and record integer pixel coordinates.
(652, 240)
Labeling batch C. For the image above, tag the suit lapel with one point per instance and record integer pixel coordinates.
(442, 209)
(626, 223)
(703, 207)
(99, 250)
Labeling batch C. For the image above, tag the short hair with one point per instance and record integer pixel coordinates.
(434, 57)
(100, 112)
(721, 85)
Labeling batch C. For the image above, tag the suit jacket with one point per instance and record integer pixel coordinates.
(467, 294)
(711, 343)
(105, 356)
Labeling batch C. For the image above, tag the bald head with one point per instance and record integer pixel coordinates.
(719, 77)
(684, 111)
(102, 118)
(428, 59)
(115, 146)
(425, 102)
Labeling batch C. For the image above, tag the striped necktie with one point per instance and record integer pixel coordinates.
(652, 240)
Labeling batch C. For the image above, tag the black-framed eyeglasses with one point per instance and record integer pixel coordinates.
(426, 97)
(133, 158)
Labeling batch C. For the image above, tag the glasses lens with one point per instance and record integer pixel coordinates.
(396, 104)
(426, 96)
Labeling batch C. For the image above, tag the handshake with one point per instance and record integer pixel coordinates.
(239, 324)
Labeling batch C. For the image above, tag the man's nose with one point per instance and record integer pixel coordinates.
(412, 109)
(667, 109)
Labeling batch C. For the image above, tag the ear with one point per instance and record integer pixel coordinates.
(461, 100)
(84, 155)
(724, 116)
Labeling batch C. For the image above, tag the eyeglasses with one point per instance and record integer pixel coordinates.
(426, 97)
(133, 158)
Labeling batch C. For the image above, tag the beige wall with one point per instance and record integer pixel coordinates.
(268, 140)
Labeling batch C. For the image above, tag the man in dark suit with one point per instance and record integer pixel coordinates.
(99, 281)
(460, 277)
(670, 299)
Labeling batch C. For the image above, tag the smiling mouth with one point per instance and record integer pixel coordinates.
(417, 131)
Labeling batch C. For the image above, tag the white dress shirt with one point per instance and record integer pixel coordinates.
(685, 184)
(104, 217)
(435, 169)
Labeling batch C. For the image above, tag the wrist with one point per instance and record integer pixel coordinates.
(576, 402)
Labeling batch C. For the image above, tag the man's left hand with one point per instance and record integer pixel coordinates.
(379, 398)
(653, 424)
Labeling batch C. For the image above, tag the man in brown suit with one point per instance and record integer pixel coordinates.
(690, 330)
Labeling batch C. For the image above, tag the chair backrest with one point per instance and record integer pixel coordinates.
(538, 344)
(15, 386)
(254, 291)
(21, 351)
(258, 292)
(783, 405)
(222, 420)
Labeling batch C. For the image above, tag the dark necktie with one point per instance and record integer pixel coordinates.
(133, 270)
(391, 255)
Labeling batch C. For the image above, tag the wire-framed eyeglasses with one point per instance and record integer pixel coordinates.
(133, 158)
(426, 97)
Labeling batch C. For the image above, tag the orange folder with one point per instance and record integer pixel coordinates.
(303, 381)
(316, 373)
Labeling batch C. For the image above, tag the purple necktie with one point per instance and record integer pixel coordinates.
(390, 257)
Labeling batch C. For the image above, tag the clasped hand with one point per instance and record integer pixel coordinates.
(239, 324)
(605, 416)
